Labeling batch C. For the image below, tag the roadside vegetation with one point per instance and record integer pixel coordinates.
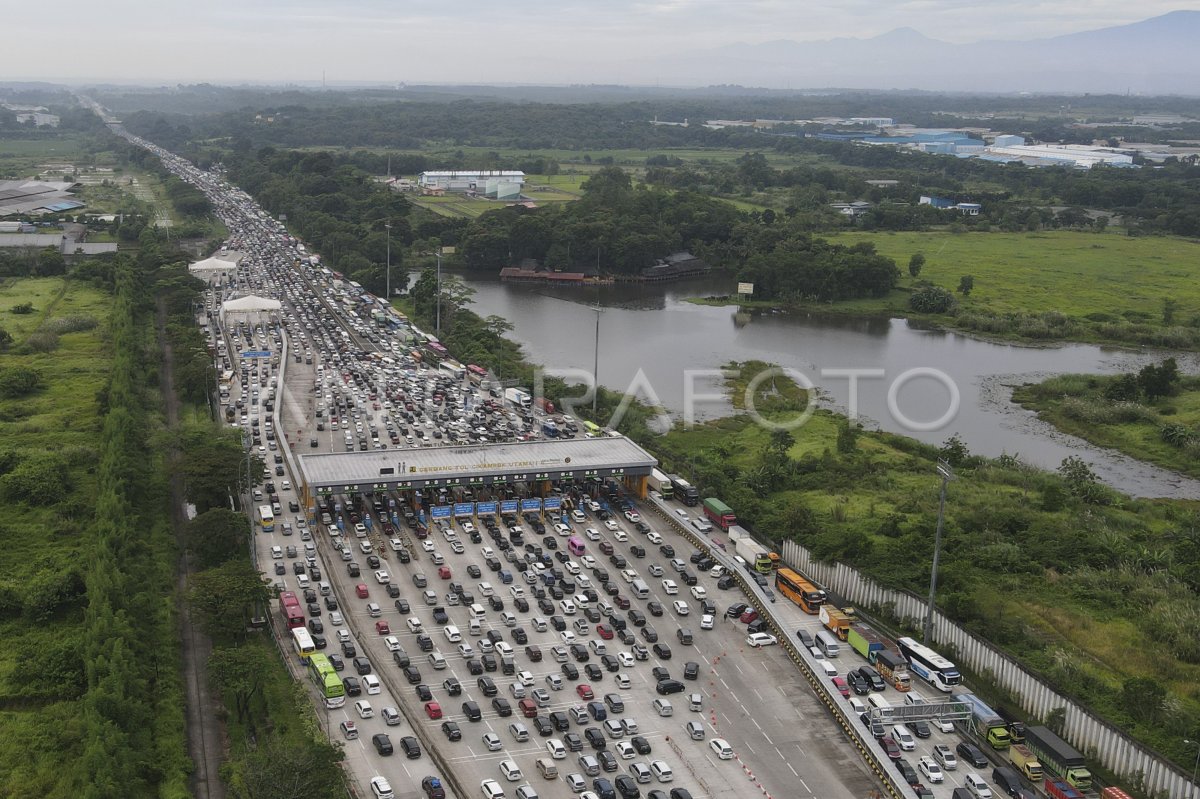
(1152, 415)
(1095, 591)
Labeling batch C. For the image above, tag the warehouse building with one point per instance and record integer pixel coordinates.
(1077, 155)
(496, 184)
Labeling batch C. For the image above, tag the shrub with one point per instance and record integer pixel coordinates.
(42, 341)
(931, 299)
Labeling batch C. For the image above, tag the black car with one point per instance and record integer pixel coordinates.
(382, 743)
(736, 610)
(691, 670)
(649, 634)
(331, 603)
(488, 686)
(662, 651)
(412, 749)
(971, 754)
(919, 728)
(610, 663)
(452, 731)
(489, 662)
(560, 720)
(348, 649)
(424, 643)
(440, 616)
(573, 742)
(667, 551)
(627, 787)
(471, 711)
(423, 692)
(373, 561)
(640, 744)
(858, 683)
(402, 605)
(353, 688)
(362, 665)
(279, 568)
(638, 551)
(521, 604)
(595, 738)
(474, 571)
(412, 674)
(637, 618)
(580, 653)
(660, 673)
(608, 761)
(909, 773)
(593, 672)
(474, 667)
(452, 686)
(543, 726)
(315, 626)
(570, 671)
(655, 607)
(726, 582)
(667, 687)
(319, 641)
(872, 677)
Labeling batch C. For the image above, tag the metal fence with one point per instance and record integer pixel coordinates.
(1096, 738)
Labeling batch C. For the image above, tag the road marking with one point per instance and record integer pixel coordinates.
(756, 724)
(738, 666)
(772, 743)
(789, 765)
(805, 784)
(727, 688)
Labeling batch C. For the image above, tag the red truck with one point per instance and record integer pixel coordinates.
(544, 405)
(1060, 789)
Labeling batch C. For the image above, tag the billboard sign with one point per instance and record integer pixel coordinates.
(485, 508)
(440, 511)
(464, 508)
(510, 505)
(552, 503)
(531, 504)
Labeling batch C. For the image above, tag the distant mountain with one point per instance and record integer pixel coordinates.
(1158, 55)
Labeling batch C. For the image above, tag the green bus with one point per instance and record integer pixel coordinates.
(327, 681)
(592, 428)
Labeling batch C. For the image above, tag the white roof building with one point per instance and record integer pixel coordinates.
(250, 306)
(1078, 155)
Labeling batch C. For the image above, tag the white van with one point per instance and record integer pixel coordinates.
(476, 611)
(325, 588)
(903, 737)
(827, 644)
(879, 703)
(640, 589)
(914, 698)
(827, 667)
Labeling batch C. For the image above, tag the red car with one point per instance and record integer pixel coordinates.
(382, 628)
(444, 572)
(585, 691)
(841, 686)
(621, 602)
(361, 591)
(606, 547)
(749, 616)
(433, 710)
(890, 746)
(604, 631)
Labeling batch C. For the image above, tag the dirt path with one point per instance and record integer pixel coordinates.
(204, 730)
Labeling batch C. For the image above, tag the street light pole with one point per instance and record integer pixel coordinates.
(438, 322)
(596, 365)
(389, 261)
(947, 474)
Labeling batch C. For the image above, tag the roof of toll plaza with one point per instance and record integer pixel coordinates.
(607, 456)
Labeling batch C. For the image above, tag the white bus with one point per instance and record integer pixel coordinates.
(303, 643)
(883, 706)
(266, 518)
(929, 665)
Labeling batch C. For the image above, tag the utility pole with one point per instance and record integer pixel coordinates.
(947, 474)
(388, 225)
(437, 327)
(596, 365)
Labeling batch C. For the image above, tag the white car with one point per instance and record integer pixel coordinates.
(568, 607)
(698, 592)
(517, 591)
(761, 639)
(428, 545)
(525, 677)
(612, 525)
(721, 748)
(931, 769)
(414, 624)
(364, 709)
(381, 788)
(568, 637)
(511, 771)
(656, 570)
(670, 587)
(578, 517)
(625, 659)
(706, 621)
(466, 650)
(591, 534)
(556, 749)
(588, 562)
(382, 577)
(371, 684)
(344, 636)
(702, 525)
(661, 770)
(681, 513)
(452, 633)
(625, 750)
(629, 575)
(622, 680)
(620, 535)
(391, 642)
(681, 607)
(633, 516)
(562, 529)
(492, 742)
(571, 567)
(491, 790)
(277, 553)
(457, 547)
(654, 538)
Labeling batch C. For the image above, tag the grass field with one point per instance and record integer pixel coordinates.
(40, 719)
(1069, 272)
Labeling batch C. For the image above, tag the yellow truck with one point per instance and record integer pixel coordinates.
(1026, 761)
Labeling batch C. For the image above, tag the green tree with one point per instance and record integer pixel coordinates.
(22, 308)
(954, 451)
(966, 284)
(18, 381)
(239, 672)
(217, 535)
(41, 478)
(847, 437)
(780, 442)
(214, 465)
(1142, 698)
(50, 262)
(931, 299)
(1159, 380)
(225, 598)
(497, 325)
(278, 769)
(915, 264)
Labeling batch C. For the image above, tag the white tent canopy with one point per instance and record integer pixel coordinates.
(213, 265)
(249, 306)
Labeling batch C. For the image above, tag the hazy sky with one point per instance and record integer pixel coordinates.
(545, 41)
